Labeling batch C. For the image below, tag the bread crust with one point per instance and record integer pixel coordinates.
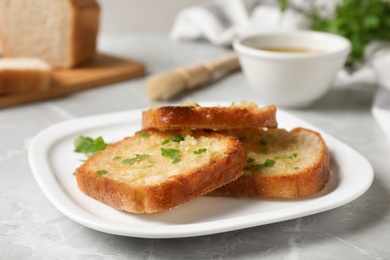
(15, 81)
(234, 117)
(172, 192)
(303, 183)
(85, 31)
(20, 75)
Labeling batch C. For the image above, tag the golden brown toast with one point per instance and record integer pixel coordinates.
(244, 115)
(281, 164)
(153, 171)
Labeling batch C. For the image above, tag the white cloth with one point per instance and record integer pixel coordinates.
(222, 21)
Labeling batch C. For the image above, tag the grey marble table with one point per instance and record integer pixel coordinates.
(32, 228)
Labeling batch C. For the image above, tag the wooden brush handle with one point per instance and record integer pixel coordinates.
(197, 74)
(227, 63)
(166, 85)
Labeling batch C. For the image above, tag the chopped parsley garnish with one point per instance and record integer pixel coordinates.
(176, 138)
(267, 163)
(283, 156)
(100, 172)
(202, 150)
(270, 162)
(143, 133)
(88, 145)
(263, 141)
(171, 153)
(250, 160)
(134, 159)
(280, 157)
(116, 158)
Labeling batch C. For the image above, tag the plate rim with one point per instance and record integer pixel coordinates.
(45, 139)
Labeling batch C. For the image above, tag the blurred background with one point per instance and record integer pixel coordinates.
(145, 15)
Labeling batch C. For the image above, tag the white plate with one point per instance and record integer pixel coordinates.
(53, 162)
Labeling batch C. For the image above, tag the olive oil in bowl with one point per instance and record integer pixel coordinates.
(290, 49)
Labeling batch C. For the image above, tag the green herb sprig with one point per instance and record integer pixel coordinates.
(267, 163)
(143, 134)
(101, 172)
(137, 157)
(250, 160)
(361, 21)
(88, 145)
(171, 153)
(264, 141)
(199, 151)
(176, 138)
(270, 162)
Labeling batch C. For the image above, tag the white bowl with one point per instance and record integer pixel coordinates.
(290, 79)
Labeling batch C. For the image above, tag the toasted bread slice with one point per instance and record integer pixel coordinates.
(281, 164)
(244, 115)
(153, 171)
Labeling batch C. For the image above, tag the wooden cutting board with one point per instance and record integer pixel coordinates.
(102, 70)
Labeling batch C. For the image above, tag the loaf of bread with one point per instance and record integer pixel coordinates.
(244, 115)
(61, 32)
(281, 164)
(153, 171)
(21, 75)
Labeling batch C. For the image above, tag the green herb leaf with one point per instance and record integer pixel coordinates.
(171, 153)
(280, 157)
(250, 160)
(134, 159)
(100, 172)
(361, 21)
(143, 134)
(202, 150)
(116, 158)
(176, 138)
(294, 155)
(267, 163)
(283, 5)
(88, 145)
(263, 141)
(176, 160)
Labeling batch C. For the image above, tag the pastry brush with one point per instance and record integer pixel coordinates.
(165, 86)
